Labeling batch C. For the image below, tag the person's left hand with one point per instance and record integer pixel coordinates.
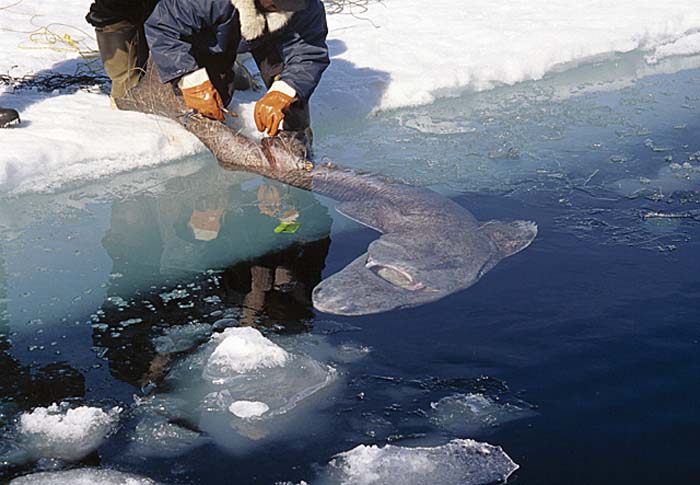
(269, 111)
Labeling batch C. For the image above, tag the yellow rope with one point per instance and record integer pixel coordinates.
(7, 7)
(59, 37)
(48, 37)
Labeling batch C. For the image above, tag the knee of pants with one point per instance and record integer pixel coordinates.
(118, 50)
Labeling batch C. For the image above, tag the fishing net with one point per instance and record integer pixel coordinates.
(53, 81)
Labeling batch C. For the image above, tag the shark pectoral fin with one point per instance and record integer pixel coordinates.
(368, 212)
(510, 237)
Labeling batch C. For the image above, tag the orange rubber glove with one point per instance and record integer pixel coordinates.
(269, 111)
(205, 99)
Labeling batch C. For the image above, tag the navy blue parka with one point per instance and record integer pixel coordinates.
(185, 35)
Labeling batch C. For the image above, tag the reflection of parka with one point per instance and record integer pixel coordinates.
(185, 35)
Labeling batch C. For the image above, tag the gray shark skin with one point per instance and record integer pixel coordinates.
(430, 246)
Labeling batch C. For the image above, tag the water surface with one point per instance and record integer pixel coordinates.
(588, 340)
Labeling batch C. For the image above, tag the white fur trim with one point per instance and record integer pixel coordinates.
(195, 78)
(253, 22)
(283, 88)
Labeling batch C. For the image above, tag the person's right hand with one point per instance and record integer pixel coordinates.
(200, 95)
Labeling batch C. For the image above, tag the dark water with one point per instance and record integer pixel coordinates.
(594, 330)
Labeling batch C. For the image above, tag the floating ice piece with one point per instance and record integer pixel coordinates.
(83, 476)
(182, 337)
(159, 432)
(242, 349)
(64, 433)
(468, 413)
(426, 124)
(280, 388)
(242, 365)
(158, 437)
(459, 462)
(248, 409)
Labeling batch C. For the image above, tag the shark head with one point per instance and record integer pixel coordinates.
(398, 271)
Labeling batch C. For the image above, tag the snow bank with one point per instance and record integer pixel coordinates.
(459, 462)
(685, 46)
(418, 50)
(64, 433)
(67, 138)
(396, 53)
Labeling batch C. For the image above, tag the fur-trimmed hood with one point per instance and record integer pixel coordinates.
(253, 21)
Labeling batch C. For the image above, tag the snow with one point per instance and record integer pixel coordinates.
(395, 53)
(66, 433)
(685, 46)
(244, 349)
(463, 462)
(248, 409)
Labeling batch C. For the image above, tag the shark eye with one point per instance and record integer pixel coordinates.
(395, 277)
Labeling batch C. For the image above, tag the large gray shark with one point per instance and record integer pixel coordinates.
(430, 246)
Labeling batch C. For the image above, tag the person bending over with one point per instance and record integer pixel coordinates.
(193, 44)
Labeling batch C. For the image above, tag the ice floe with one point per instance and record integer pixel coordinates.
(469, 413)
(182, 337)
(155, 436)
(84, 476)
(162, 428)
(65, 433)
(241, 387)
(459, 462)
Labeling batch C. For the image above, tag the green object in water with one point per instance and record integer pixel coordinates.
(288, 227)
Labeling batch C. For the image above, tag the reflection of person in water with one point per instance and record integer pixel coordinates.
(273, 290)
(197, 226)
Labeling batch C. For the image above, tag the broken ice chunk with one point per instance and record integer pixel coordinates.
(84, 476)
(469, 413)
(163, 429)
(158, 437)
(64, 433)
(459, 462)
(182, 337)
(280, 388)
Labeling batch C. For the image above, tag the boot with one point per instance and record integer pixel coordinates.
(8, 117)
(119, 49)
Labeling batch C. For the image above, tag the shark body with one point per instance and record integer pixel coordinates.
(429, 247)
